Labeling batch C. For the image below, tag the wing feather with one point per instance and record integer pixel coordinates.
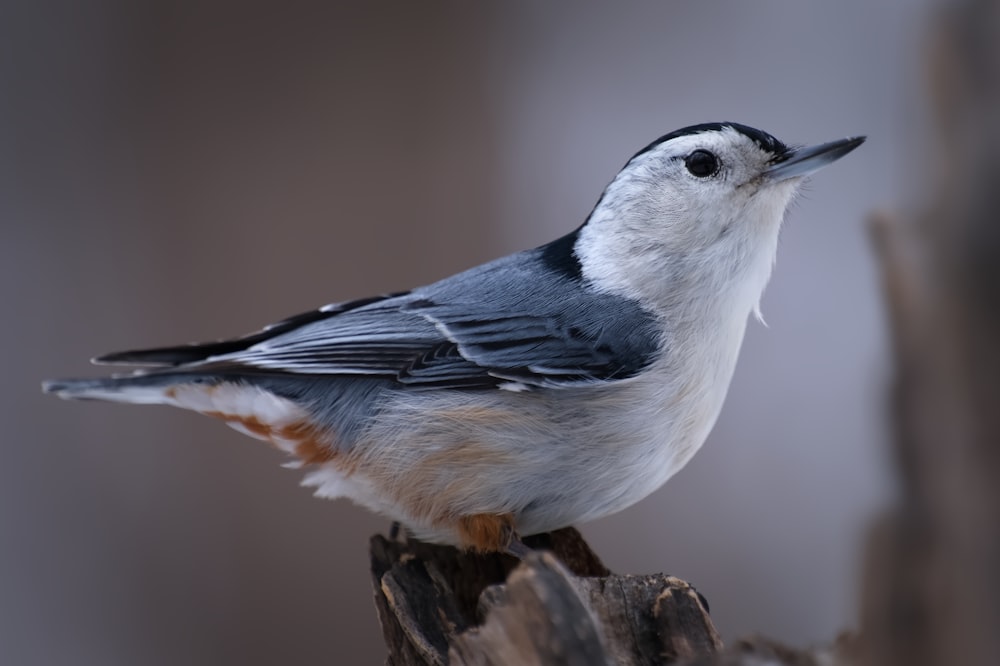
(511, 323)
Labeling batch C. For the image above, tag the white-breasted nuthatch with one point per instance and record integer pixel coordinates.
(545, 388)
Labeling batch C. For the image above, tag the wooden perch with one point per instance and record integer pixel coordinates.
(438, 605)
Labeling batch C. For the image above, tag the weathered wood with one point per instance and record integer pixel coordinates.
(759, 651)
(438, 605)
(536, 618)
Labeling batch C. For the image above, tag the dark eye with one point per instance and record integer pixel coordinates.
(702, 164)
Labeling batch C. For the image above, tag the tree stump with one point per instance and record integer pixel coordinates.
(438, 605)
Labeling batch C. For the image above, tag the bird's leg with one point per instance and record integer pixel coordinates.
(394, 531)
(491, 533)
(517, 548)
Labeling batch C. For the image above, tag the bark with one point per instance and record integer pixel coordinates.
(438, 605)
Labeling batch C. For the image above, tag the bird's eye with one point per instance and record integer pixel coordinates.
(702, 164)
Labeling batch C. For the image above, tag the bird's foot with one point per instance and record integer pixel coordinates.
(517, 548)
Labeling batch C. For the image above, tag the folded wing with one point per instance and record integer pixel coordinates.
(503, 325)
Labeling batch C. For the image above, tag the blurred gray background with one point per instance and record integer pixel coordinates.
(175, 171)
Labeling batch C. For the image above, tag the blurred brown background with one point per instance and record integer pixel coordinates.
(181, 171)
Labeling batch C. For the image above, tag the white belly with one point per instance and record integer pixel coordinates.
(552, 458)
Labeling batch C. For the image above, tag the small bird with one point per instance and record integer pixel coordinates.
(545, 388)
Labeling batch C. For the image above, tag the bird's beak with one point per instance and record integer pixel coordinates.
(803, 161)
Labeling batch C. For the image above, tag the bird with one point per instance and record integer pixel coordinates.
(546, 388)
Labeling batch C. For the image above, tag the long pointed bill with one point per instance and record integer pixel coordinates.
(803, 161)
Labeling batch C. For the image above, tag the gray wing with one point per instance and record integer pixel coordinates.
(513, 323)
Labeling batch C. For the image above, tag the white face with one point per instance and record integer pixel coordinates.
(695, 209)
(695, 190)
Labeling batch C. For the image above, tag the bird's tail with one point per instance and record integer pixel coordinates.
(243, 405)
(140, 388)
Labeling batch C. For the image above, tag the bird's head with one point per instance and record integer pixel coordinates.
(697, 212)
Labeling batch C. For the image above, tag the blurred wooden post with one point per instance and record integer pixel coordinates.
(933, 585)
